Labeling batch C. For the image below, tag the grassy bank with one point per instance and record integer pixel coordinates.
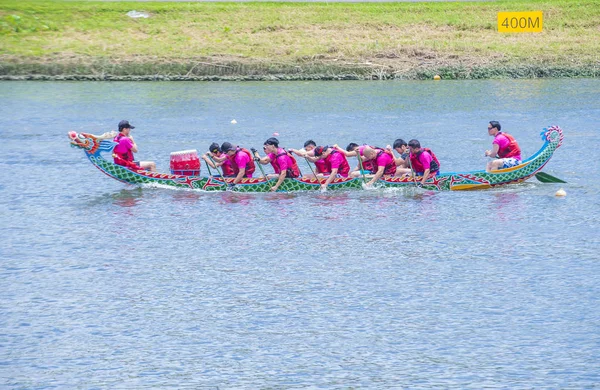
(97, 40)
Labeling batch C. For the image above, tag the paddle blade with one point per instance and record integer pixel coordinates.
(546, 178)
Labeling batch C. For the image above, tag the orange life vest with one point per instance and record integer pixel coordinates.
(390, 169)
(292, 172)
(322, 167)
(417, 166)
(124, 159)
(511, 150)
(250, 167)
(343, 169)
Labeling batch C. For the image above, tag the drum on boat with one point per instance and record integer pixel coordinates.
(185, 162)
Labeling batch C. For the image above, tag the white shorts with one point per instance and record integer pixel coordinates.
(510, 162)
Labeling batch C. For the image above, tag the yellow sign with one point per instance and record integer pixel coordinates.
(516, 22)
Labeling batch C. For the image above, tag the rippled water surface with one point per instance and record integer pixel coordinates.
(108, 286)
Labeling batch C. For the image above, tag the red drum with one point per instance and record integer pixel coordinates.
(185, 162)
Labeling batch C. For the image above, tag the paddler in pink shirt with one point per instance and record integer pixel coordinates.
(241, 161)
(308, 153)
(218, 160)
(335, 160)
(423, 161)
(383, 163)
(356, 150)
(283, 163)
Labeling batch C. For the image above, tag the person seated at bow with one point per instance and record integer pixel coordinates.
(284, 164)
(214, 153)
(382, 163)
(423, 161)
(402, 167)
(241, 160)
(308, 152)
(505, 149)
(126, 147)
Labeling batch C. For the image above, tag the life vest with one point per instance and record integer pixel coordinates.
(344, 167)
(389, 169)
(417, 166)
(511, 150)
(124, 163)
(292, 172)
(127, 156)
(322, 167)
(367, 165)
(250, 167)
(227, 168)
(124, 159)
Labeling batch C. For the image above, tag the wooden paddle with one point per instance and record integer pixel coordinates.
(546, 178)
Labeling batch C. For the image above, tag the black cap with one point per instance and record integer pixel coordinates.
(226, 147)
(125, 125)
(214, 148)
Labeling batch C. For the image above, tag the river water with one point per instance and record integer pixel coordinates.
(108, 286)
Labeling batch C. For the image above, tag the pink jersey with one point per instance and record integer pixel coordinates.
(280, 162)
(123, 149)
(242, 159)
(502, 141)
(425, 159)
(338, 161)
(321, 166)
(384, 159)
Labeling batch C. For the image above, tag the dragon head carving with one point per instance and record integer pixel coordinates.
(91, 143)
(553, 134)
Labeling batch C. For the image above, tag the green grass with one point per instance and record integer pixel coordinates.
(406, 39)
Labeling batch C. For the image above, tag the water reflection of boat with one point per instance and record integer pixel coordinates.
(94, 146)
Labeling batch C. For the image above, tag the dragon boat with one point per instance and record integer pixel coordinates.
(95, 146)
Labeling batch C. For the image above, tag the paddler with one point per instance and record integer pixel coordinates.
(308, 152)
(284, 164)
(402, 167)
(382, 163)
(241, 161)
(423, 161)
(335, 162)
(356, 150)
(218, 160)
(505, 149)
(126, 147)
